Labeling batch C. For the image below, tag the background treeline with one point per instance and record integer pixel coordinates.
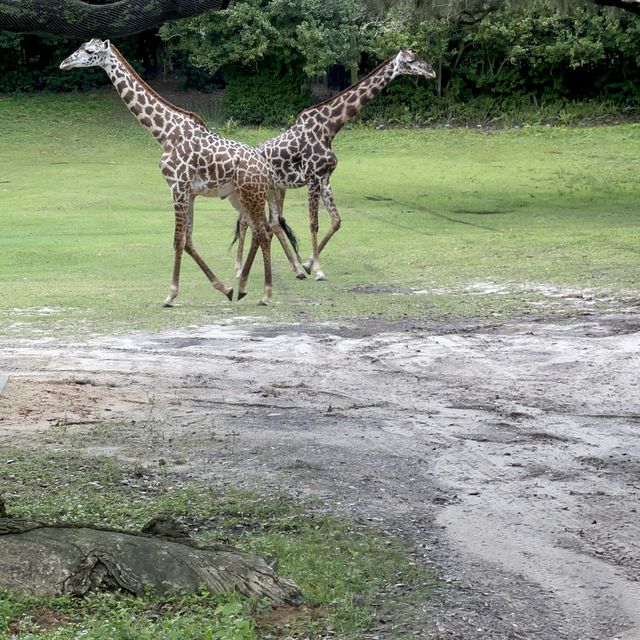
(547, 60)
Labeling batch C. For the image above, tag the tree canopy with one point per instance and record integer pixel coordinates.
(312, 34)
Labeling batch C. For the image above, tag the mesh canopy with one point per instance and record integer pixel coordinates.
(628, 5)
(97, 18)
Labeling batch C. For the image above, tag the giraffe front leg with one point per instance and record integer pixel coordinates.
(179, 242)
(241, 232)
(213, 279)
(191, 250)
(314, 260)
(329, 203)
(264, 239)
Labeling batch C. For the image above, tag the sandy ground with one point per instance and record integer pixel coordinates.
(508, 457)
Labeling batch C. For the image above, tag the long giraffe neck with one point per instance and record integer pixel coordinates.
(157, 115)
(337, 111)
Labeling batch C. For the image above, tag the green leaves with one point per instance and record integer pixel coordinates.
(265, 98)
(304, 35)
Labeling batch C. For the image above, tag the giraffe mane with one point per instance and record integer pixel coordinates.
(153, 92)
(350, 87)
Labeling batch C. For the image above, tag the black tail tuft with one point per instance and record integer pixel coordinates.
(289, 233)
(236, 235)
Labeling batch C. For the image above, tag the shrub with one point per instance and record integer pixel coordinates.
(264, 98)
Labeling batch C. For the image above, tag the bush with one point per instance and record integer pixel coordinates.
(264, 98)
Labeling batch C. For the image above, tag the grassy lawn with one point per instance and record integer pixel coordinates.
(429, 217)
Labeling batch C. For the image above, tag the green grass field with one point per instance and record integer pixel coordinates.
(88, 223)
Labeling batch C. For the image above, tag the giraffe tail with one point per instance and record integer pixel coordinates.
(289, 233)
(236, 235)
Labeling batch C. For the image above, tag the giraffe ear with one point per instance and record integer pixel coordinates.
(106, 44)
(403, 49)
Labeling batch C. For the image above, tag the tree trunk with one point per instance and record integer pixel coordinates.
(353, 69)
(44, 559)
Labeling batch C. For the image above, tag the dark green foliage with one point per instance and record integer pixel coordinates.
(264, 98)
(29, 63)
(194, 78)
(533, 49)
(525, 56)
(305, 35)
(403, 102)
(520, 57)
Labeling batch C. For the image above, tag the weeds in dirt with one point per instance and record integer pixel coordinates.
(344, 570)
(123, 617)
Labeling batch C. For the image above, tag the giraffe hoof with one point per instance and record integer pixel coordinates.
(167, 304)
(320, 276)
(301, 275)
(229, 294)
(262, 303)
(241, 294)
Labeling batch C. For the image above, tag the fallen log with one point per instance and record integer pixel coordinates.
(38, 558)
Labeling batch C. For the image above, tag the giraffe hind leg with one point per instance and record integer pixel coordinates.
(251, 207)
(261, 237)
(264, 239)
(283, 231)
(336, 221)
(279, 231)
(329, 203)
(314, 260)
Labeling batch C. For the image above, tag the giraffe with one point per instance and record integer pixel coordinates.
(195, 161)
(302, 154)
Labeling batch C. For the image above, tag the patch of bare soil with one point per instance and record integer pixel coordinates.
(508, 457)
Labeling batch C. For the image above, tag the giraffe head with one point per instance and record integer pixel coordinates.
(91, 54)
(408, 63)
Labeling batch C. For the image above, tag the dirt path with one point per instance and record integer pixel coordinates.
(509, 457)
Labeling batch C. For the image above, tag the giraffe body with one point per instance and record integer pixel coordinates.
(302, 155)
(195, 162)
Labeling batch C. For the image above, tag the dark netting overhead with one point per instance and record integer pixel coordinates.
(97, 18)
(628, 5)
